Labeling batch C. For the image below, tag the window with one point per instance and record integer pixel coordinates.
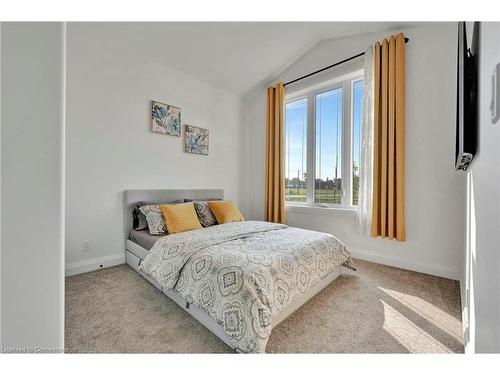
(322, 136)
(327, 182)
(296, 149)
(357, 113)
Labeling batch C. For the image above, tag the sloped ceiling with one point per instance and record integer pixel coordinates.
(235, 56)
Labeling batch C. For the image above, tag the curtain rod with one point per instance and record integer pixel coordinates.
(330, 66)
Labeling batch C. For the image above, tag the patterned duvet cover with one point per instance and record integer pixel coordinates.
(243, 274)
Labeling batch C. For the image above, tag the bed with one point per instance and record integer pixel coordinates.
(237, 279)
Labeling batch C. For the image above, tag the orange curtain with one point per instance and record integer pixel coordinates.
(275, 155)
(388, 212)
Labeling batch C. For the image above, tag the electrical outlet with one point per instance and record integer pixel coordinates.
(86, 245)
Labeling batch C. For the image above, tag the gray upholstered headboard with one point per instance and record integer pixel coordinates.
(133, 196)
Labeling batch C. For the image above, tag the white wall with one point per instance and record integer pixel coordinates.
(32, 119)
(435, 214)
(110, 147)
(482, 299)
(0, 183)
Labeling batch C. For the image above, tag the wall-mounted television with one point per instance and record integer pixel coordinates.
(467, 92)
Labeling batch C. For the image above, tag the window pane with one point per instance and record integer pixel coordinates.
(296, 150)
(357, 113)
(328, 183)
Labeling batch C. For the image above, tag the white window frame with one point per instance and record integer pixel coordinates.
(346, 82)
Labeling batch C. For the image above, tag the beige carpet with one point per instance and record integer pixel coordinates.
(378, 309)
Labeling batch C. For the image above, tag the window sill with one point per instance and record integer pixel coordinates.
(309, 209)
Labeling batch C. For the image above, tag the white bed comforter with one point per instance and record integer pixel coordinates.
(242, 274)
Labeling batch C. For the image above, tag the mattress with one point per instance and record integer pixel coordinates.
(244, 274)
(143, 238)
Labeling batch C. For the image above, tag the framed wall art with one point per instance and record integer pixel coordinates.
(165, 119)
(196, 140)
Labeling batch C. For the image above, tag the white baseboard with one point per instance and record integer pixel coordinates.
(465, 306)
(82, 266)
(373, 256)
(93, 264)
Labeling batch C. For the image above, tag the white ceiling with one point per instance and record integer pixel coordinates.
(236, 56)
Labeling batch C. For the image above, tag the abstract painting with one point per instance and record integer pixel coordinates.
(165, 119)
(196, 140)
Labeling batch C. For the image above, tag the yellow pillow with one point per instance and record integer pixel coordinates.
(180, 217)
(225, 211)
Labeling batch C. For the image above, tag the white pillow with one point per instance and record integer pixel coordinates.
(154, 217)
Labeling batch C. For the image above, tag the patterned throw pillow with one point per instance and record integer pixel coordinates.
(139, 222)
(205, 216)
(154, 217)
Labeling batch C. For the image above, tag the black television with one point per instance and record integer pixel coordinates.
(467, 94)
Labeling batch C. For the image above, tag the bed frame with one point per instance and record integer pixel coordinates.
(136, 253)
